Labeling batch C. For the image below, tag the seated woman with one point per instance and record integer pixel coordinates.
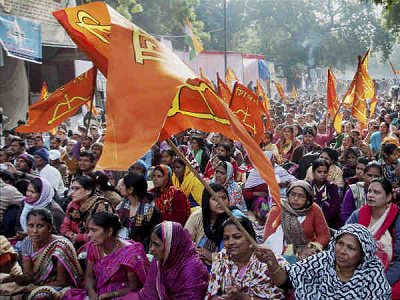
(39, 194)
(348, 270)
(381, 217)
(176, 271)
(349, 165)
(137, 211)
(287, 143)
(114, 267)
(106, 189)
(205, 225)
(170, 201)
(223, 151)
(183, 178)
(390, 163)
(167, 157)
(335, 174)
(236, 273)
(50, 265)
(199, 152)
(84, 203)
(303, 229)
(224, 176)
(326, 192)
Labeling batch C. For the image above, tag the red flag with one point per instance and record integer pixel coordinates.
(223, 90)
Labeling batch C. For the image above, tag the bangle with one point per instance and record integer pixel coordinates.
(115, 295)
(276, 271)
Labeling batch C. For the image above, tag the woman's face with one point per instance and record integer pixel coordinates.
(360, 171)
(194, 145)
(220, 175)
(123, 190)
(3, 157)
(166, 159)
(158, 179)
(377, 197)
(78, 193)
(321, 174)
(156, 247)
(347, 142)
(278, 131)
(297, 198)
(215, 162)
(296, 130)
(348, 251)
(221, 151)
(235, 242)
(287, 133)
(38, 230)
(178, 169)
(32, 194)
(97, 234)
(391, 158)
(215, 207)
(326, 157)
(216, 138)
(351, 160)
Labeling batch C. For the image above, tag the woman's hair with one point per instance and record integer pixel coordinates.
(157, 230)
(290, 127)
(107, 220)
(349, 136)
(385, 183)
(331, 153)
(226, 147)
(199, 141)
(87, 183)
(374, 164)
(246, 223)
(22, 186)
(44, 213)
(350, 150)
(102, 179)
(223, 164)
(319, 162)
(270, 135)
(170, 152)
(389, 148)
(299, 129)
(138, 183)
(179, 161)
(37, 185)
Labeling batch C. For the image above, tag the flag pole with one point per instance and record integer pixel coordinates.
(91, 102)
(211, 191)
(225, 39)
(395, 74)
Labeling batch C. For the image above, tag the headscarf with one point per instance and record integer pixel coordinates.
(144, 165)
(316, 278)
(28, 159)
(46, 196)
(190, 185)
(167, 174)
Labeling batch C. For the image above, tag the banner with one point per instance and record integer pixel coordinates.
(223, 90)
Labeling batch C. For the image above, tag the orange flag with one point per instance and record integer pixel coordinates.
(157, 74)
(229, 76)
(394, 70)
(332, 101)
(61, 104)
(205, 78)
(249, 110)
(44, 93)
(223, 90)
(294, 93)
(89, 26)
(261, 93)
(281, 93)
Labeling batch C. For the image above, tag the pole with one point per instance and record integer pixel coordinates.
(91, 102)
(225, 39)
(211, 191)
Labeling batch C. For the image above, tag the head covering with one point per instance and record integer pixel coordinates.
(46, 196)
(305, 185)
(54, 154)
(27, 158)
(43, 153)
(144, 165)
(181, 264)
(167, 173)
(316, 278)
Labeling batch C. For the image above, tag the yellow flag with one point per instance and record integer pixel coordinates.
(229, 76)
(294, 93)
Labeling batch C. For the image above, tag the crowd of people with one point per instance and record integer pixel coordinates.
(70, 231)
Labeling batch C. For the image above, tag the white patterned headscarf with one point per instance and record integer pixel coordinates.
(315, 277)
(46, 196)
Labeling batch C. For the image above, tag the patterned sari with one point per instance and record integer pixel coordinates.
(111, 271)
(45, 262)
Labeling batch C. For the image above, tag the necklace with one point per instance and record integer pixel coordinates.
(112, 251)
(339, 272)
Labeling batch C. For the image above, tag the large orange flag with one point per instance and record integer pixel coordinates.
(332, 101)
(261, 93)
(61, 104)
(223, 90)
(281, 93)
(229, 76)
(249, 110)
(394, 70)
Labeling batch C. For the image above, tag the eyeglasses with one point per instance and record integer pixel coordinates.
(299, 196)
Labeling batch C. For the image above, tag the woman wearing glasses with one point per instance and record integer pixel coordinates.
(302, 229)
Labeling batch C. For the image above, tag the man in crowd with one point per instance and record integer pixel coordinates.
(69, 158)
(55, 161)
(17, 147)
(86, 163)
(55, 144)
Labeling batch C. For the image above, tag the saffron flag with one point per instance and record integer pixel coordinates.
(281, 93)
(261, 93)
(394, 70)
(44, 92)
(332, 102)
(195, 47)
(205, 78)
(229, 76)
(249, 110)
(61, 104)
(294, 93)
(223, 90)
(33, 112)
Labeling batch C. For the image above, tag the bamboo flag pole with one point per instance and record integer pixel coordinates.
(91, 102)
(211, 191)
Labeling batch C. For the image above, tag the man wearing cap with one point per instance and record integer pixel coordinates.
(55, 161)
(306, 146)
(41, 158)
(23, 168)
(94, 131)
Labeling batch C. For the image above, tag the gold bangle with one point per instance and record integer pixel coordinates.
(276, 271)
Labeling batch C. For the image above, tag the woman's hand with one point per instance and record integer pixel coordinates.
(20, 235)
(205, 255)
(306, 252)
(233, 293)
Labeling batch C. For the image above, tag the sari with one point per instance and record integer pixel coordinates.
(111, 270)
(181, 275)
(45, 262)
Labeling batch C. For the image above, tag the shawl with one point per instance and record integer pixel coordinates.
(46, 196)
(190, 185)
(359, 195)
(197, 157)
(255, 281)
(181, 275)
(234, 191)
(6, 248)
(315, 277)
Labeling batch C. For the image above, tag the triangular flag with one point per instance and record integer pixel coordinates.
(261, 93)
(281, 93)
(223, 90)
(229, 76)
(332, 101)
(294, 93)
(195, 47)
(44, 93)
